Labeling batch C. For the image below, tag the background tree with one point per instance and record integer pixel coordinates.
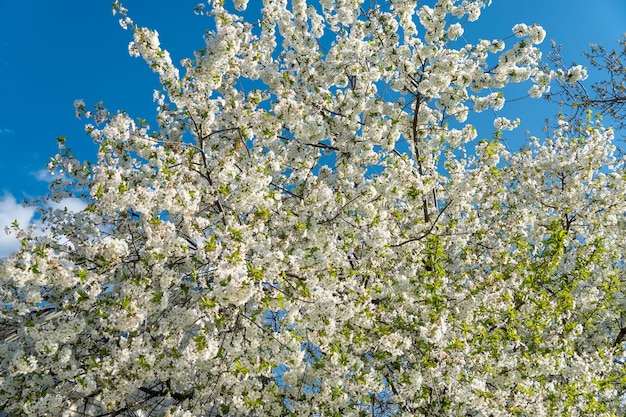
(313, 229)
(606, 97)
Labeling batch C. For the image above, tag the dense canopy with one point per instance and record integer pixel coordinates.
(315, 228)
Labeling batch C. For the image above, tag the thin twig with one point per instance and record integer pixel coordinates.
(428, 232)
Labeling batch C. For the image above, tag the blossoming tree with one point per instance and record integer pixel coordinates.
(314, 228)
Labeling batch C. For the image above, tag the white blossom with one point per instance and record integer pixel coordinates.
(502, 123)
(576, 73)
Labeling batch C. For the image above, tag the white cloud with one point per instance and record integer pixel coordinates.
(72, 204)
(11, 210)
(5, 131)
(44, 175)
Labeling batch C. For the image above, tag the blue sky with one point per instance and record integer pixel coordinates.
(54, 52)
